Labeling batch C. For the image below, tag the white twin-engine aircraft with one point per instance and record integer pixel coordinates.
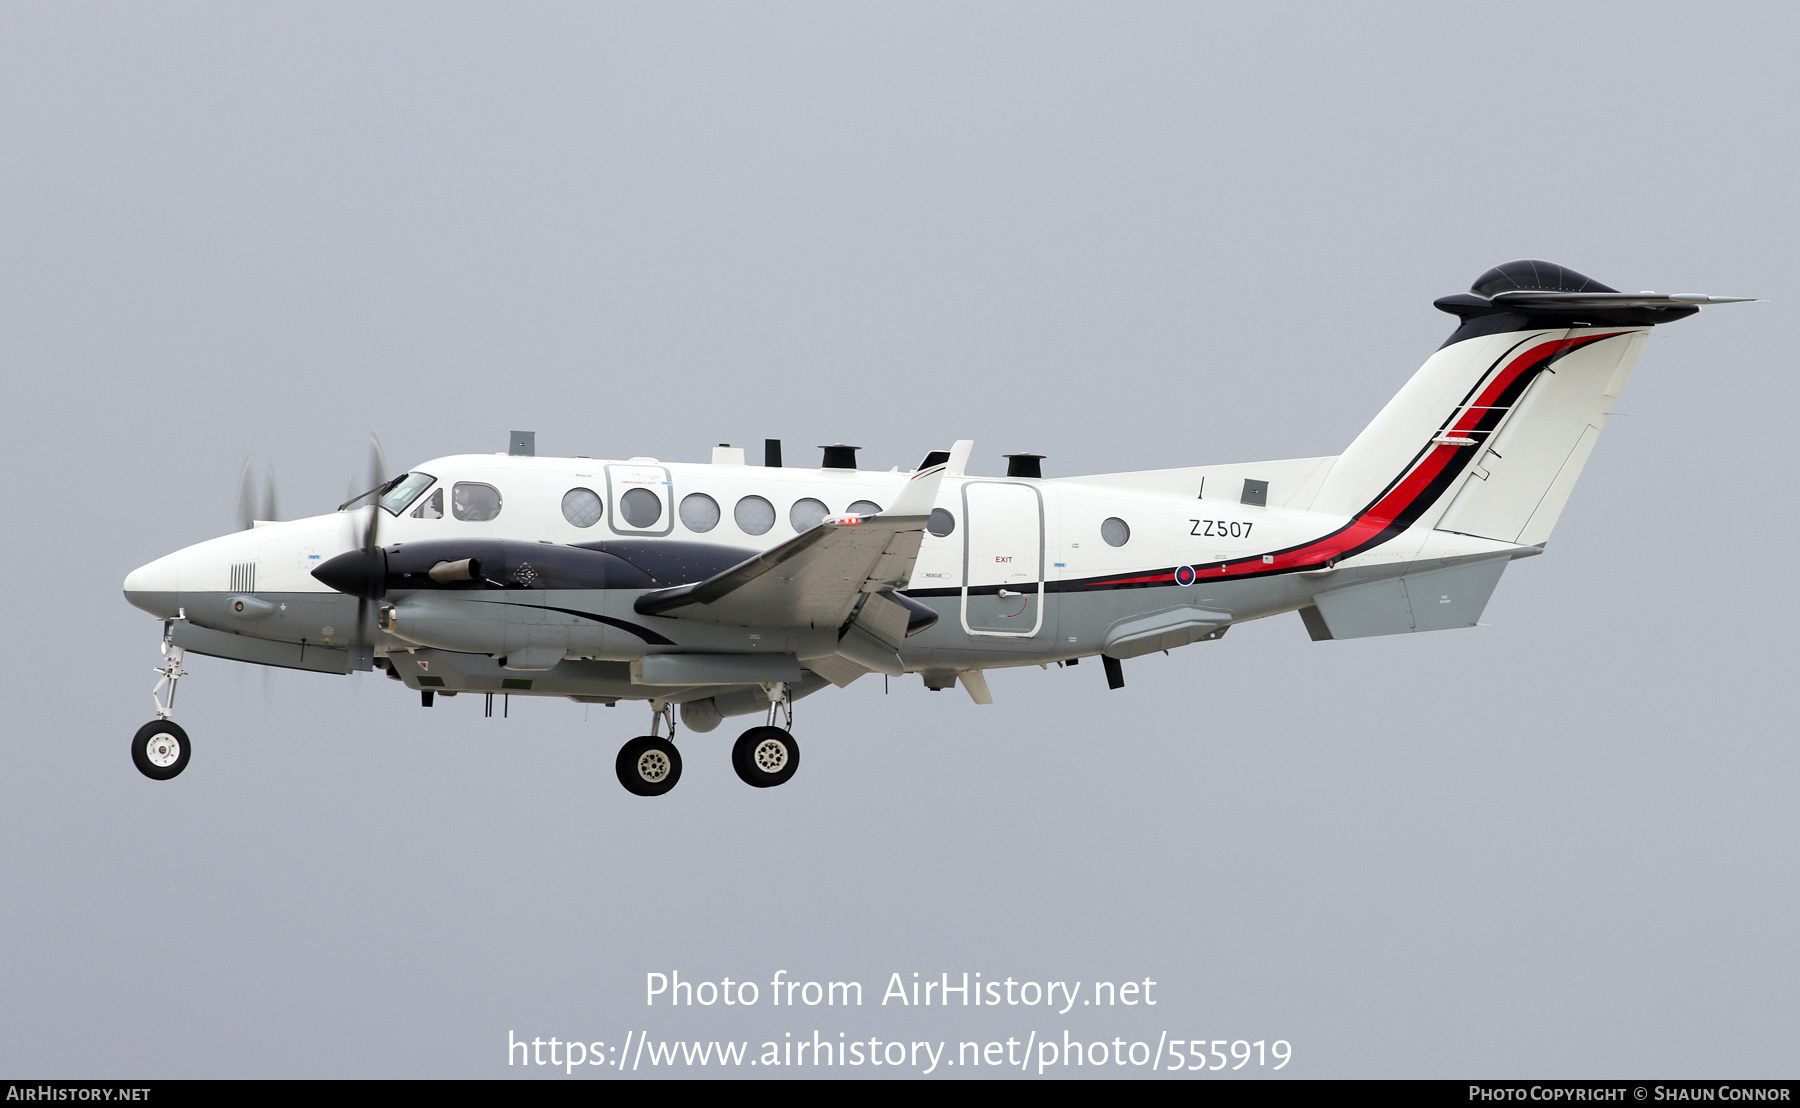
(730, 589)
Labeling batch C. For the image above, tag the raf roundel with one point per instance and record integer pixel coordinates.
(1184, 576)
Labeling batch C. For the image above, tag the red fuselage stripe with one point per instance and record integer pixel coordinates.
(1394, 503)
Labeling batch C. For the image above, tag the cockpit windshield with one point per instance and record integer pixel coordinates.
(394, 496)
(400, 495)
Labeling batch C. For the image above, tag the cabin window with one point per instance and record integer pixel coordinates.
(754, 515)
(582, 507)
(699, 512)
(1115, 531)
(432, 507)
(474, 502)
(640, 507)
(863, 508)
(941, 522)
(807, 513)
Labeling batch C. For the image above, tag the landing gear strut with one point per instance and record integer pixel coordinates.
(160, 749)
(767, 756)
(649, 765)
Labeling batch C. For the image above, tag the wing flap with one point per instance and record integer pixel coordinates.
(836, 668)
(884, 618)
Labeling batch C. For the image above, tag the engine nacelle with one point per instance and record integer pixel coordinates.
(469, 624)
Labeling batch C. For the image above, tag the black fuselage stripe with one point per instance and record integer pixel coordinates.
(644, 633)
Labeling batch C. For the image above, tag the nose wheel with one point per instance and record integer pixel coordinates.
(160, 749)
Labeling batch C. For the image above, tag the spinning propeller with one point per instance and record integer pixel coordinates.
(256, 496)
(375, 479)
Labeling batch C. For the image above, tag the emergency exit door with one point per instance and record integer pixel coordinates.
(1003, 559)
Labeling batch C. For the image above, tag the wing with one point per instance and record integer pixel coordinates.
(840, 575)
(812, 580)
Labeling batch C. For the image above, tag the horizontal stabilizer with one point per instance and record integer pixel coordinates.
(1536, 299)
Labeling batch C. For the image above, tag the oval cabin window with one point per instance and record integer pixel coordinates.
(754, 515)
(582, 507)
(699, 512)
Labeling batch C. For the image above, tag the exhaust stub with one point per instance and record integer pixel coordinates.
(465, 569)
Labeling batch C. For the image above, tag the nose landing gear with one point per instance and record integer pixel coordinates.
(160, 749)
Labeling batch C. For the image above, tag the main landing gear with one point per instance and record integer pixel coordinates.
(767, 756)
(649, 765)
(764, 757)
(160, 749)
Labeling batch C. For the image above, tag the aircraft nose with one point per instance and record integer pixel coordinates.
(155, 587)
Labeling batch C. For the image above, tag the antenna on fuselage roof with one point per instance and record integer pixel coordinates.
(772, 453)
(839, 456)
(1024, 465)
(523, 444)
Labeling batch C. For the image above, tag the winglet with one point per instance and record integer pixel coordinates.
(920, 493)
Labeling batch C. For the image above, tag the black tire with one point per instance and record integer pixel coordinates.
(169, 739)
(648, 765)
(765, 757)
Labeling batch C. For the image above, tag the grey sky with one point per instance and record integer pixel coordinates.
(1124, 237)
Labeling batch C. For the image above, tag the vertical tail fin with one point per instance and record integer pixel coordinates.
(1489, 435)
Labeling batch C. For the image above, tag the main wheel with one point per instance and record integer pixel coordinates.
(160, 749)
(765, 757)
(649, 765)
